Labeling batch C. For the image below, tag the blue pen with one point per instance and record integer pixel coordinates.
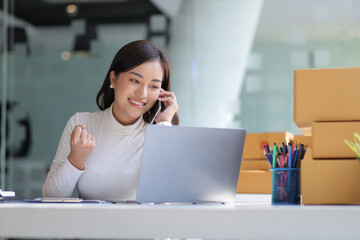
(267, 157)
(290, 155)
(301, 149)
(268, 154)
(295, 157)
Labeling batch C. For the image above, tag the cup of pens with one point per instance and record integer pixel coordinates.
(285, 172)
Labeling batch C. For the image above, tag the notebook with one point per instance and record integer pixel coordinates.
(190, 164)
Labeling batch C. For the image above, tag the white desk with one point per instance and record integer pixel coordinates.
(232, 221)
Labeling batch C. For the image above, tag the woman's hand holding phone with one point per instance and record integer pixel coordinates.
(171, 106)
(82, 143)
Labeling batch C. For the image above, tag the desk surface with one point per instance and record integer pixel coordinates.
(229, 221)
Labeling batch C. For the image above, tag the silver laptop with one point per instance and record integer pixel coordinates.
(190, 164)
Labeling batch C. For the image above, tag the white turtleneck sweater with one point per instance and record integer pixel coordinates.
(111, 170)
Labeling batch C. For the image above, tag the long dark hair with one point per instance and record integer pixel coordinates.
(128, 57)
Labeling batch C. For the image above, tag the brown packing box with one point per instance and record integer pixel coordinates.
(254, 181)
(326, 95)
(330, 181)
(328, 139)
(306, 140)
(260, 164)
(254, 142)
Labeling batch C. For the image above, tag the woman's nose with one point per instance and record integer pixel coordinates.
(141, 92)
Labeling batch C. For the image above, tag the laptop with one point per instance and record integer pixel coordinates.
(190, 164)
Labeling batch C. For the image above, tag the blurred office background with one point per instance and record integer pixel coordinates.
(232, 64)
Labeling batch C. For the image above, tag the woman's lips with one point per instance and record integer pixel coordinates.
(136, 103)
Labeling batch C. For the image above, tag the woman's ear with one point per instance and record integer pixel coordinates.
(112, 78)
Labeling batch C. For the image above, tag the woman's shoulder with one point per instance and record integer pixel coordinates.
(80, 118)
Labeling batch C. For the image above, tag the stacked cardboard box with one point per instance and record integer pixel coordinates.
(327, 107)
(330, 181)
(255, 176)
(302, 139)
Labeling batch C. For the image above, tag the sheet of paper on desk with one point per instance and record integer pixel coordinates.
(7, 193)
(61, 200)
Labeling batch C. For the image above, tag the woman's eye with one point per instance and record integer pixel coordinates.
(134, 80)
(154, 86)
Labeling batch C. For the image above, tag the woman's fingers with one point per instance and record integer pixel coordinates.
(81, 137)
(167, 97)
(167, 101)
(164, 94)
(171, 106)
(76, 132)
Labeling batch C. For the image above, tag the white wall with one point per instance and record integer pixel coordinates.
(210, 45)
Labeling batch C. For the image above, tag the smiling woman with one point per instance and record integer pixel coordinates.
(108, 143)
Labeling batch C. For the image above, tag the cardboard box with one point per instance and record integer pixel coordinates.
(330, 181)
(254, 181)
(326, 95)
(258, 164)
(328, 139)
(306, 140)
(254, 143)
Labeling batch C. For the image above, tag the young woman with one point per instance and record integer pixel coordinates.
(100, 153)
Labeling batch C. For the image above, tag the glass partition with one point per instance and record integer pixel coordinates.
(294, 35)
(61, 52)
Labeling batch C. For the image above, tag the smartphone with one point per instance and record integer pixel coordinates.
(159, 108)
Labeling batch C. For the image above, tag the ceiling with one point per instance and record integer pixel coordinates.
(53, 12)
(280, 20)
(45, 13)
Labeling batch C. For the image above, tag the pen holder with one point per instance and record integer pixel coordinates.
(285, 185)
